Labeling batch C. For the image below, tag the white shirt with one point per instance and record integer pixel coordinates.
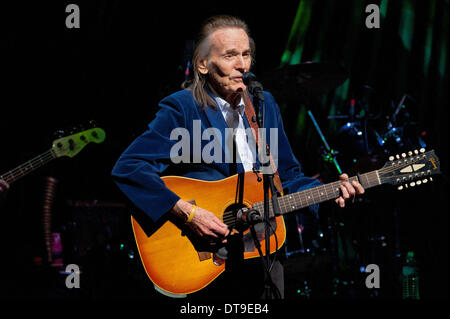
(247, 156)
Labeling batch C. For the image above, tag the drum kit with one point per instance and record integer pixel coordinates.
(369, 130)
(362, 135)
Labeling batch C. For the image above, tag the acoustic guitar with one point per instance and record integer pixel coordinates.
(179, 263)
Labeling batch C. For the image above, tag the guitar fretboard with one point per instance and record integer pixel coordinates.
(316, 195)
(27, 167)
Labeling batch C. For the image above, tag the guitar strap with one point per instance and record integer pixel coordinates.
(251, 118)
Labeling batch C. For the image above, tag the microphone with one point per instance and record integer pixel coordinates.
(248, 216)
(253, 86)
(244, 218)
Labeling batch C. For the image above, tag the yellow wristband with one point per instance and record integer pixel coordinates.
(191, 214)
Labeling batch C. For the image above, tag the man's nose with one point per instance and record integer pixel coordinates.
(241, 65)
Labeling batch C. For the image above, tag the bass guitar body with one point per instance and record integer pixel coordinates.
(175, 259)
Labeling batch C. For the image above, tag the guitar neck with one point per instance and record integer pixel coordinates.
(28, 167)
(316, 195)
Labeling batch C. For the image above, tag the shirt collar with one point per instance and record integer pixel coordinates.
(226, 107)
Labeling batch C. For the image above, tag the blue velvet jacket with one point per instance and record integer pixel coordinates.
(138, 170)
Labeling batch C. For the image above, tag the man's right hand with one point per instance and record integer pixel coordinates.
(205, 224)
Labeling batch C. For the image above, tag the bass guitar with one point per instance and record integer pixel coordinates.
(65, 146)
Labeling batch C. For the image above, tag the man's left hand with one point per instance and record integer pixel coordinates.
(348, 190)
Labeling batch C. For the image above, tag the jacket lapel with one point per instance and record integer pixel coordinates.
(216, 120)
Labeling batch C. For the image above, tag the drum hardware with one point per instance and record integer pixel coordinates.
(295, 83)
(330, 154)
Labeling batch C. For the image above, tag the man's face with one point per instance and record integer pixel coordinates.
(229, 57)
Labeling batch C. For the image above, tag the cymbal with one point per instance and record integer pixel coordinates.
(297, 80)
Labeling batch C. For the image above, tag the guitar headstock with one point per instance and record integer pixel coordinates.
(409, 170)
(71, 145)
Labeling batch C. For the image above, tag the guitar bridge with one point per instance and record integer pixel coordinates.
(204, 255)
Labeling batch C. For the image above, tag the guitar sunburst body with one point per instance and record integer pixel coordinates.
(179, 263)
(169, 255)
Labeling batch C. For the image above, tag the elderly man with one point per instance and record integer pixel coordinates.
(216, 98)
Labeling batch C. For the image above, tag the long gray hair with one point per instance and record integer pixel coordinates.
(202, 48)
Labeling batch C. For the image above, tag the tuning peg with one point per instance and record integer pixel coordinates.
(400, 187)
(422, 150)
(419, 182)
(412, 184)
(391, 158)
(60, 133)
(92, 124)
(397, 156)
(425, 180)
(403, 155)
(416, 152)
(431, 179)
(410, 153)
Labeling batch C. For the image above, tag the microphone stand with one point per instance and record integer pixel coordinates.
(268, 185)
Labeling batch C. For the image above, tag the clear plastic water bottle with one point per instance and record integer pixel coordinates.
(410, 277)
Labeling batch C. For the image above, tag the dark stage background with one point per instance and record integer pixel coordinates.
(126, 56)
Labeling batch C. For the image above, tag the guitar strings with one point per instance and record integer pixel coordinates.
(37, 160)
(21, 170)
(300, 199)
(370, 178)
(406, 163)
(287, 201)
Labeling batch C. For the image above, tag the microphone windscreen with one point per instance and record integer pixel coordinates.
(247, 77)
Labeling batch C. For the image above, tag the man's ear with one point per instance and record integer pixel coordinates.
(203, 66)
